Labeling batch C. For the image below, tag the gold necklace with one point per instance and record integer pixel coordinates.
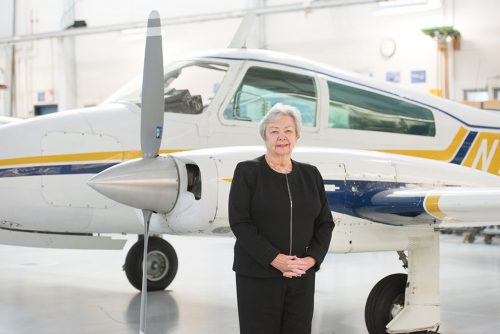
(277, 167)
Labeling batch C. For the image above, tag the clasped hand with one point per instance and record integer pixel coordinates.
(292, 266)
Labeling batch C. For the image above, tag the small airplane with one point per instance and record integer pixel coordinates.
(398, 167)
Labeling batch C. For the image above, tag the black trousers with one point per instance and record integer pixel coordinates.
(275, 305)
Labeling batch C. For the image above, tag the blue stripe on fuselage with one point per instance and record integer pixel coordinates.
(372, 200)
(351, 193)
(93, 168)
(359, 198)
(462, 152)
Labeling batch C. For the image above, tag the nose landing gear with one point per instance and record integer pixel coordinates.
(162, 264)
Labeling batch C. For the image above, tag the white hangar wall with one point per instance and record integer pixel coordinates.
(120, 55)
(350, 37)
(84, 70)
(477, 64)
(98, 63)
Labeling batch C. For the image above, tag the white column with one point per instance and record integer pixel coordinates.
(66, 65)
(449, 20)
(261, 26)
(7, 12)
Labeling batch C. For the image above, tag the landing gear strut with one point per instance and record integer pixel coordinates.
(408, 303)
(162, 264)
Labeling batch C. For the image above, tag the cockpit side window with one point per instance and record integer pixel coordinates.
(354, 108)
(190, 89)
(261, 88)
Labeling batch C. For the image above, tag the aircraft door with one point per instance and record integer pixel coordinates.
(255, 90)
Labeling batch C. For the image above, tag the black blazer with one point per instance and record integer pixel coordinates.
(259, 216)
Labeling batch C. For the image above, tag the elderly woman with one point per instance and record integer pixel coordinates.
(280, 216)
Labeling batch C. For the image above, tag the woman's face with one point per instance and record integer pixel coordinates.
(281, 136)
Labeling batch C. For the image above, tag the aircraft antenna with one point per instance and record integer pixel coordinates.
(239, 40)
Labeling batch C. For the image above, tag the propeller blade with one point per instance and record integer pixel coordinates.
(144, 293)
(152, 90)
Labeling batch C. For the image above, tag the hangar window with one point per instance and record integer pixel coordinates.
(188, 87)
(354, 108)
(262, 88)
(476, 95)
(496, 93)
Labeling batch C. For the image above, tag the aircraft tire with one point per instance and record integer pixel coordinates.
(470, 238)
(384, 299)
(162, 260)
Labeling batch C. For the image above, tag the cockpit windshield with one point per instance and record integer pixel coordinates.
(189, 87)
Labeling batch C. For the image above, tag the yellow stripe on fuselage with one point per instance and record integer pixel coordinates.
(485, 153)
(431, 205)
(446, 154)
(78, 157)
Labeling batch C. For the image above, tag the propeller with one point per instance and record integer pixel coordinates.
(150, 184)
(151, 130)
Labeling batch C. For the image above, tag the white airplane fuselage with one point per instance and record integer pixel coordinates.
(45, 162)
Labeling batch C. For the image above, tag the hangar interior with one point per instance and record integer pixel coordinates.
(67, 54)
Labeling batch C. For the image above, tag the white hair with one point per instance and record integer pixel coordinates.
(277, 111)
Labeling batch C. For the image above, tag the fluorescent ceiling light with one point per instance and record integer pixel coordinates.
(393, 7)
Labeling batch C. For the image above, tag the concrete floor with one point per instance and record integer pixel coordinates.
(65, 291)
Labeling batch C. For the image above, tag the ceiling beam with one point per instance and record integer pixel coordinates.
(178, 20)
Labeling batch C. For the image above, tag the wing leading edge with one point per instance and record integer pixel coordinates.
(447, 206)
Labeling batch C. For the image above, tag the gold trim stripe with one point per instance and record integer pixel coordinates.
(446, 154)
(431, 205)
(78, 157)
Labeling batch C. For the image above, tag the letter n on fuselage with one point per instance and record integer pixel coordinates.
(485, 153)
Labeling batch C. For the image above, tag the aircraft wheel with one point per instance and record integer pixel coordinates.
(488, 239)
(469, 237)
(162, 264)
(384, 302)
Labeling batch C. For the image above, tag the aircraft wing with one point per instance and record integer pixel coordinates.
(447, 206)
(6, 120)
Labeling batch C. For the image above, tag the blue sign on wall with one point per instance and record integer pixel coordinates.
(418, 76)
(394, 76)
